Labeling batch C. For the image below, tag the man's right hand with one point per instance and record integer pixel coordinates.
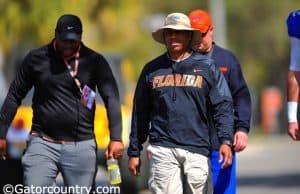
(134, 164)
(294, 131)
(3, 148)
(114, 149)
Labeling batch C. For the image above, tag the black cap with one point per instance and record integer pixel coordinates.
(69, 27)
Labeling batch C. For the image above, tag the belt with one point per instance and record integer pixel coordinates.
(49, 139)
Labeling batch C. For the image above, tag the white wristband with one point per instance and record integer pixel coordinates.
(292, 109)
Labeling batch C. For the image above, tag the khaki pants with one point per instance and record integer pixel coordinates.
(177, 171)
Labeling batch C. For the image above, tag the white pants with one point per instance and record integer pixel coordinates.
(178, 171)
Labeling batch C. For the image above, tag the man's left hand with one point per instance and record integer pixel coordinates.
(225, 155)
(240, 141)
(114, 149)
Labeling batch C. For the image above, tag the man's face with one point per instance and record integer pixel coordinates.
(67, 48)
(177, 41)
(205, 43)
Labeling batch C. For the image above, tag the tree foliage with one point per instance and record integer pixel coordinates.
(256, 29)
(257, 33)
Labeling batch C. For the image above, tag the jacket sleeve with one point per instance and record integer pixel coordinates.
(241, 98)
(140, 117)
(18, 89)
(222, 106)
(108, 90)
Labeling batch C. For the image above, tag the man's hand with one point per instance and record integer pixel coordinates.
(114, 149)
(3, 148)
(225, 155)
(134, 164)
(294, 131)
(240, 141)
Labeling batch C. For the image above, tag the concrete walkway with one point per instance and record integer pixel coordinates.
(269, 166)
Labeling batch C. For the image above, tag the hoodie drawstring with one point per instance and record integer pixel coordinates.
(174, 86)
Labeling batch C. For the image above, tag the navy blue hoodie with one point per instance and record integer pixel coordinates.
(173, 100)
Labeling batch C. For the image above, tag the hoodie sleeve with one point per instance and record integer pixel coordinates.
(241, 97)
(140, 117)
(222, 106)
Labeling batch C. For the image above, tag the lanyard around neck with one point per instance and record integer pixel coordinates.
(74, 72)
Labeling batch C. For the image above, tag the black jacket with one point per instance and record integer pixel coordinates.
(172, 103)
(57, 109)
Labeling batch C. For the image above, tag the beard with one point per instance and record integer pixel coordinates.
(67, 52)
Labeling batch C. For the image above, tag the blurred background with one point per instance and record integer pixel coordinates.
(255, 30)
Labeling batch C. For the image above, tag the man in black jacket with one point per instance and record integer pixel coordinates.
(174, 97)
(225, 179)
(64, 75)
